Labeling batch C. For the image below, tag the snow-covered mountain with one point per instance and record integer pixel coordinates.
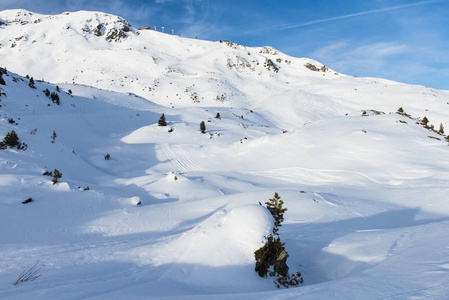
(365, 186)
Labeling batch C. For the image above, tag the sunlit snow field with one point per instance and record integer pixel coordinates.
(366, 188)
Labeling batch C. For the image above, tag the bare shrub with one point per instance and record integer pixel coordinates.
(28, 275)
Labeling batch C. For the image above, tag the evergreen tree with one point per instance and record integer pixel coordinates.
(31, 84)
(2, 81)
(203, 127)
(218, 116)
(271, 254)
(441, 128)
(271, 258)
(162, 121)
(11, 139)
(274, 205)
(425, 121)
(56, 176)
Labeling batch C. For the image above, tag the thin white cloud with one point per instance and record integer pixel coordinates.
(365, 60)
(379, 50)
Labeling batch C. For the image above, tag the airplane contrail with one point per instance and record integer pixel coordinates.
(291, 26)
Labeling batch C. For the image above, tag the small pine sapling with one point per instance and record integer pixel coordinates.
(274, 205)
(56, 176)
(441, 130)
(425, 121)
(203, 127)
(11, 139)
(162, 121)
(218, 116)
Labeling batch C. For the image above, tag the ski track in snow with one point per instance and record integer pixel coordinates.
(179, 158)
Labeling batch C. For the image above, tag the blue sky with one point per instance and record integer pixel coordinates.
(406, 41)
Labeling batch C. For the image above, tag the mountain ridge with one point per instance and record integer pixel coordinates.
(175, 71)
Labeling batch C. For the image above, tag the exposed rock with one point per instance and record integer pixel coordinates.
(97, 30)
(115, 35)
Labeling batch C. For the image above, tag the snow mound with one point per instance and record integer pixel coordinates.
(226, 238)
(219, 249)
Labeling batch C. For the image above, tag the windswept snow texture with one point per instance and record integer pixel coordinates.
(145, 211)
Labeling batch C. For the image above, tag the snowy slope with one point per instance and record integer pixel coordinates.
(366, 188)
(175, 71)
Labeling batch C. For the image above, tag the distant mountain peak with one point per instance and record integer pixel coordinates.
(86, 23)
